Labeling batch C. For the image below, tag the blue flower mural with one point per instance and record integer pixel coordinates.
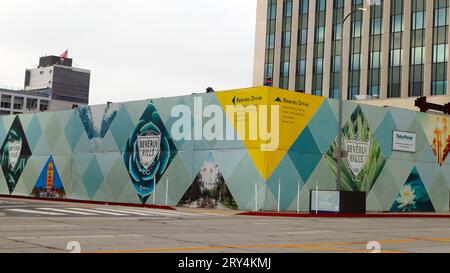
(413, 196)
(148, 152)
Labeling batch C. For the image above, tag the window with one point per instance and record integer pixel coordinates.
(440, 17)
(31, 104)
(270, 39)
(301, 67)
(302, 45)
(418, 20)
(440, 48)
(397, 23)
(318, 66)
(6, 101)
(440, 53)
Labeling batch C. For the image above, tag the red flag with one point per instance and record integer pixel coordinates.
(64, 55)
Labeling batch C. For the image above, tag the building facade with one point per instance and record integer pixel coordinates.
(19, 102)
(394, 49)
(66, 83)
(13, 102)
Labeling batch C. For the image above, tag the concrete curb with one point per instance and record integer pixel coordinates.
(326, 215)
(88, 202)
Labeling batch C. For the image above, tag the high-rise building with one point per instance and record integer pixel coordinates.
(394, 49)
(56, 74)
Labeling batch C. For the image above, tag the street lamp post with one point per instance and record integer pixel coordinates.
(340, 151)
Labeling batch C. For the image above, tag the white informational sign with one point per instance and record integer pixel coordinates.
(404, 142)
(325, 201)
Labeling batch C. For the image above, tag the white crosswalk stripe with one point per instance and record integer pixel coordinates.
(167, 213)
(126, 211)
(103, 211)
(35, 212)
(65, 211)
(99, 212)
(171, 214)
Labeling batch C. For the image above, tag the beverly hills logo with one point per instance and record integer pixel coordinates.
(148, 147)
(14, 148)
(357, 154)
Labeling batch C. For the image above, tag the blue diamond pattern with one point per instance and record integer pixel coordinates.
(305, 154)
(33, 132)
(324, 135)
(384, 135)
(92, 178)
(121, 127)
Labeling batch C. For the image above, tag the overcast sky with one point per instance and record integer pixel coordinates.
(135, 49)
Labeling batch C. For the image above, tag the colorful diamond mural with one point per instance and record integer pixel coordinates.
(209, 189)
(148, 152)
(14, 154)
(413, 196)
(120, 152)
(49, 184)
(365, 161)
(97, 120)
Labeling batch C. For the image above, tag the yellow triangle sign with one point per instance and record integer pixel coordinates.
(268, 121)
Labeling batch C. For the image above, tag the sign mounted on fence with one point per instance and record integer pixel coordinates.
(404, 142)
(324, 201)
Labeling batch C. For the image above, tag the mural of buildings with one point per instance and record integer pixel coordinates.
(132, 153)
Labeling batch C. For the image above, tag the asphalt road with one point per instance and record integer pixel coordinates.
(37, 226)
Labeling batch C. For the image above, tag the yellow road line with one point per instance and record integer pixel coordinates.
(330, 246)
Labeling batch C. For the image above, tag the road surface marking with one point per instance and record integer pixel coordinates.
(97, 211)
(127, 211)
(308, 232)
(35, 212)
(73, 237)
(37, 226)
(165, 213)
(332, 247)
(213, 214)
(65, 211)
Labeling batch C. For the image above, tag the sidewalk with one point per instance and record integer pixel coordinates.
(344, 215)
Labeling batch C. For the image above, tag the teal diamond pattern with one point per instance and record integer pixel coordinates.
(384, 134)
(92, 178)
(305, 154)
(324, 135)
(33, 132)
(122, 126)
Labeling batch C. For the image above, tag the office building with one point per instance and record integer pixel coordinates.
(394, 49)
(56, 74)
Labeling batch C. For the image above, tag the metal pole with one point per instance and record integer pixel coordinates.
(167, 190)
(154, 191)
(256, 197)
(341, 104)
(317, 198)
(279, 193)
(298, 196)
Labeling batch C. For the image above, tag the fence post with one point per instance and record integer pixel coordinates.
(279, 193)
(298, 195)
(167, 189)
(154, 191)
(317, 198)
(256, 197)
